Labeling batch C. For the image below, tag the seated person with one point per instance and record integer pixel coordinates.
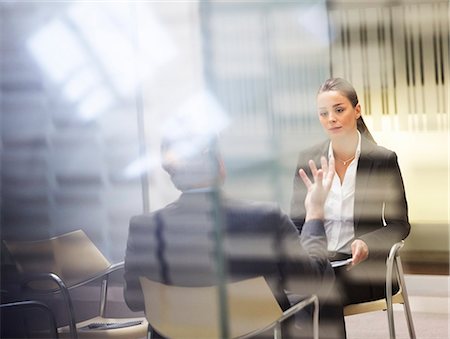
(366, 211)
(176, 244)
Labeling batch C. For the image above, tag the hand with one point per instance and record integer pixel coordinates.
(360, 251)
(317, 190)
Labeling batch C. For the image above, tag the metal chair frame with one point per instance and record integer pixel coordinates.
(60, 285)
(65, 291)
(312, 300)
(401, 297)
(276, 325)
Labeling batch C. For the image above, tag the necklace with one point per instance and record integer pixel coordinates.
(345, 162)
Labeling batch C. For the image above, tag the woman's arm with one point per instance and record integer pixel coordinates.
(392, 217)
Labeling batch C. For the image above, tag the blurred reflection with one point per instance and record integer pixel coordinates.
(93, 52)
(196, 119)
(262, 61)
(312, 19)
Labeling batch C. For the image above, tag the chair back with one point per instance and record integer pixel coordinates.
(72, 256)
(194, 312)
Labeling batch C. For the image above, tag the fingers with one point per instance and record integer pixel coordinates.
(305, 178)
(356, 256)
(313, 167)
(317, 175)
(330, 174)
(360, 251)
(324, 175)
(324, 164)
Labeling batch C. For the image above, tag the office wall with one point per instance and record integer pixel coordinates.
(266, 61)
(69, 125)
(252, 68)
(397, 56)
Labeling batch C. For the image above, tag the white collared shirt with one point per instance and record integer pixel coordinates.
(339, 206)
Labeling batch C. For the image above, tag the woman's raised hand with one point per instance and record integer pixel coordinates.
(318, 188)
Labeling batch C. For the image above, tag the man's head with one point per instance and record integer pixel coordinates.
(192, 161)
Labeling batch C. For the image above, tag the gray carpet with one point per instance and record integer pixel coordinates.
(374, 325)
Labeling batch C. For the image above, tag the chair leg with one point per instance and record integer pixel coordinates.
(389, 308)
(103, 296)
(277, 331)
(316, 319)
(406, 305)
(149, 332)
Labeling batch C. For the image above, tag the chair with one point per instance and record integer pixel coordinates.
(401, 297)
(27, 319)
(194, 312)
(66, 262)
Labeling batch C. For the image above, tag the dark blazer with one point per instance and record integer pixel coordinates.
(176, 245)
(379, 192)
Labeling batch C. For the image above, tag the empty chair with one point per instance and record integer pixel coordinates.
(249, 309)
(65, 262)
(401, 297)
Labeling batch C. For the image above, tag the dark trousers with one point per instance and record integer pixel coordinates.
(363, 282)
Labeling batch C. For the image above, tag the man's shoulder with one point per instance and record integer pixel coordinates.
(255, 214)
(143, 220)
(149, 217)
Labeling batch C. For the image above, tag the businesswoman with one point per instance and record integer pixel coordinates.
(366, 211)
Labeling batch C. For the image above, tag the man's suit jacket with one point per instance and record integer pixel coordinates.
(176, 245)
(380, 210)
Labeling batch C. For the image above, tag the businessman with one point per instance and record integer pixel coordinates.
(178, 244)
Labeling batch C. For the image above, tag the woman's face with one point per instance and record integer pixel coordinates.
(336, 114)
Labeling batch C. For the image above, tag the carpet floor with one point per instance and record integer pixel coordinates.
(374, 325)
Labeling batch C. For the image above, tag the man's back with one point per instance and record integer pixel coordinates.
(177, 245)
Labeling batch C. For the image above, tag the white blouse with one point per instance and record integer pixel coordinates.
(339, 206)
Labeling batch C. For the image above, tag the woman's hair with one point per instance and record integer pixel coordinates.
(346, 89)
